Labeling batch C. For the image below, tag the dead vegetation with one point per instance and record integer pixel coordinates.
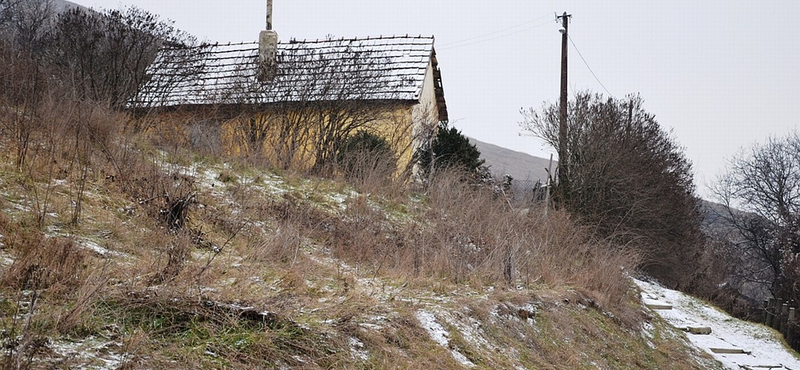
(217, 262)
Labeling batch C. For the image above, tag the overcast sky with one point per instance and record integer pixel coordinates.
(720, 74)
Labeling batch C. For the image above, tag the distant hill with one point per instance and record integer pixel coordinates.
(524, 168)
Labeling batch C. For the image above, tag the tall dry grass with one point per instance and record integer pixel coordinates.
(462, 234)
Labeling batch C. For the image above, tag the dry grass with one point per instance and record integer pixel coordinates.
(464, 235)
(334, 261)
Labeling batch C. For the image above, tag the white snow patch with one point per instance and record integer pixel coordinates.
(648, 332)
(435, 330)
(94, 247)
(763, 346)
(439, 335)
(97, 353)
(339, 199)
(357, 348)
(5, 259)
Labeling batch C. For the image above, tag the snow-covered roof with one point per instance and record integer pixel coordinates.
(377, 68)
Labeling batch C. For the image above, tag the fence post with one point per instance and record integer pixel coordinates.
(791, 327)
(770, 312)
(784, 318)
(765, 313)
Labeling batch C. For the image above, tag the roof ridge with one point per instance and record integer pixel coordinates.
(318, 41)
(366, 38)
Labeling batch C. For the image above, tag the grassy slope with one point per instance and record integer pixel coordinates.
(279, 272)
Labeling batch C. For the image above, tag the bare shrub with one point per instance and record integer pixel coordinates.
(282, 246)
(176, 251)
(479, 236)
(73, 317)
(55, 264)
(22, 85)
(628, 179)
(367, 161)
(104, 56)
(465, 235)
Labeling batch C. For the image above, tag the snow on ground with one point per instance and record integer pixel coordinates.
(440, 335)
(94, 247)
(761, 347)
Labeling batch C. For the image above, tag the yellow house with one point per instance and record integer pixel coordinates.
(294, 102)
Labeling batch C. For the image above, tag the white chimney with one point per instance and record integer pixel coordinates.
(268, 46)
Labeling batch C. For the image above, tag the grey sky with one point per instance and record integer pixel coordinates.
(722, 74)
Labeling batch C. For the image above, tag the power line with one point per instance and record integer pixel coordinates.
(587, 66)
(503, 33)
(494, 32)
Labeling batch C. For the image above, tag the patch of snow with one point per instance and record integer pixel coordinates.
(371, 326)
(648, 333)
(762, 346)
(97, 353)
(5, 259)
(21, 207)
(52, 230)
(440, 335)
(338, 198)
(357, 349)
(94, 247)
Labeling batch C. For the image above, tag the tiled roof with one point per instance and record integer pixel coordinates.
(381, 68)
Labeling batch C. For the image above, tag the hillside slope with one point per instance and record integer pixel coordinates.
(197, 261)
(524, 168)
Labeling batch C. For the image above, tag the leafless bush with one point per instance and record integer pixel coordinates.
(54, 264)
(105, 55)
(27, 22)
(368, 163)
(50, 268)
(476, 234)
(467, 235)
(282, 246)
(627, 179)
(23, 86)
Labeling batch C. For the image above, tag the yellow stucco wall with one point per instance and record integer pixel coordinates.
(289, 137)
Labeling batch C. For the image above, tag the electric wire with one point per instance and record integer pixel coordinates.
(494, 32)
(503, 33)
(587, 66)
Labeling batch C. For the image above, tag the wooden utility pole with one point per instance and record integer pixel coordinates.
(563, 181)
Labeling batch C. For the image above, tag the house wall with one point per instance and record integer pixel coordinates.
(286, 135)
(425, 115)
(288, 138)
